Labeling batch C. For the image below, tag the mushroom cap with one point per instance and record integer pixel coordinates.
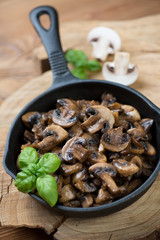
(130, 113)
(68, 193)
(84, 186)
(70, 169)
(98, 168)
(115, 140)
(125, 168)
(120, 70)
(53, 135)
(99, 115)
(87, 200)
(74, 149)
(104, 41)
(30, 118)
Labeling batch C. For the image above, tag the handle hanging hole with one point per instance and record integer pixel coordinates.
(45, 21)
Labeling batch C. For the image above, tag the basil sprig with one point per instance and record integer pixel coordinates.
(35, 174)
(81, 64)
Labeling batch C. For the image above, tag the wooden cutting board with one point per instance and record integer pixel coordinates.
(141, 38)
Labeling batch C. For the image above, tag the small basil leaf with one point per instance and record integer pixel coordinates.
(47, 189)
(32, 167)
(76, 57)
(93, 65)
(27, 156)
(79, 72)
(48, 163)
(25, 181)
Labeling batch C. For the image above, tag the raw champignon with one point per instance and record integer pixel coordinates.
(115, 140)
(98, 116)
(120, 70)
(105, 41)
(66, 113)
(75, 149)
(53, 135)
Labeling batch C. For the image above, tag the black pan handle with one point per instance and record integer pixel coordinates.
(51, 40)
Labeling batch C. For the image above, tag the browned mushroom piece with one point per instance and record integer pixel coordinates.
(101, 148)
(149, 149)
(72, 203)
(53, 135)
(96, 157)
(92, 141)
(68, 193)
(115, 140)
(31, 118)
(66, 113)
(136, 147)
(130, 113)
(83, 105)
(146, 123)
(85, 186)
(137, 132)
(59, 183)
(74, 149)
(75, 130)
(29, 136)
(98, 117)
(125, 168)
(80, 176)
(103, 196)
(87, 200)
(137, 161)
(106, 172)
(71, 168)
(107, 99)
(58, 151)
(134, 184)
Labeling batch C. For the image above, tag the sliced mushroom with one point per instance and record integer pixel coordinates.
(68, 193)
(53, 135)
(107, 99)
(76, 130)
(137, 161)
(66, 113)
(115, 140)
(74, 150)
(146, 123)
(70, 169)
(120, 70)
(29, 136)
(149, 149)
(136, 147)
(82, 105)
(103, 196)
(92, 141)
(80, 176)
(31, 118)
(125, 168)
(85, 186)
(130, 113)
(106, 172)
(59, 184)
(134, 184)
(105, 41)
(96, 157)
(137, 131)
(87, 200)
(98, 116)
(72, 203)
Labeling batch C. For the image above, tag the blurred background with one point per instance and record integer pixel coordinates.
(18, 39)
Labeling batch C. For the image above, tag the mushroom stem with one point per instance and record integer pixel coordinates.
(121, 62)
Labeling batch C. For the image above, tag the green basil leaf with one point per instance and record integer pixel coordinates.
(25, 181)
(27, 156)
(48, 163)
(76, 57)
(47, 189)
(79, 72)
(93, 65)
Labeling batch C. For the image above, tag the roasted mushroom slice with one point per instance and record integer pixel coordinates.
(103, 196)
(92, 141)
(125, 168)
(68, 193)
(98, 116)
(115, 140)
(66, 113)
(107, 99)
(85, 186)
(96, 157)
(106, 172)
(146, 123)
(137, 131)
(138, 161)
(75, 130)
(74, 149)
(87, 200)
(130, 113)
(70, 169)
(53, 135)
(82, 105)
(80, 176)
(31, 118)
(149, 149)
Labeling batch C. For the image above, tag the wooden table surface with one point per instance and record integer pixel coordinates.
(18, 40)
